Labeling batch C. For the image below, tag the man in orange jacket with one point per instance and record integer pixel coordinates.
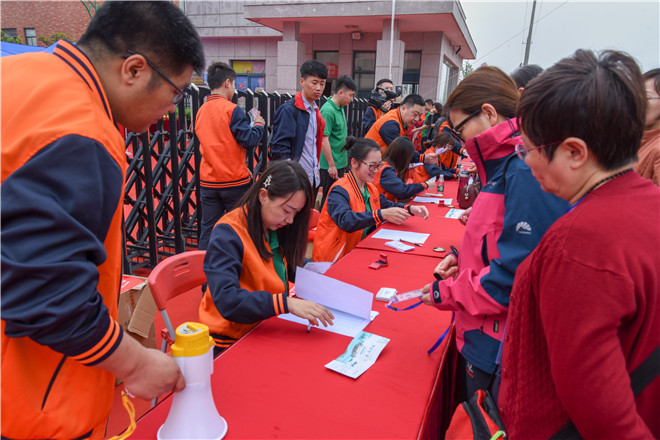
(63, 165)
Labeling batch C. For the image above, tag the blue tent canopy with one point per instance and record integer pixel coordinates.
(15, 49)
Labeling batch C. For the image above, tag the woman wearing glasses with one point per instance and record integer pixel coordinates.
(648, 165)
(508, 219)
(354, 206)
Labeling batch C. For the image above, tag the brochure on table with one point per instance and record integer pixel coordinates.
(350, 305)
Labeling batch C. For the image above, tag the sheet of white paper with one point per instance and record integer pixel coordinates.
(361, 354)
(399, 246)
(350, 305)
(391, 234)
(420, 199)
(440, 150)
(415, 165)
(318, 266)
(454, 213)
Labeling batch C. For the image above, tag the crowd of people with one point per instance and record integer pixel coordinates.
(555, 287)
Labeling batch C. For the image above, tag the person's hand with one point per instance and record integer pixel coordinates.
(448, 267)
(419, 211)
(431, 159)
(395, 215)
(426, 298)
(472, 168)
(387, 105)
(310, 311)
(259, 119)
(332, 171)
(154, 374)
(464, 217)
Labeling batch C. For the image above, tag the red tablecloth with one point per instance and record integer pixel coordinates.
(444, 232)
(273, 383)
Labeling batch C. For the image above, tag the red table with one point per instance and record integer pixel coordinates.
(444, 232)
(273, 383)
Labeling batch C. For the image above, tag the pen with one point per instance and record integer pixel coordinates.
(409, 242)
(309, 327)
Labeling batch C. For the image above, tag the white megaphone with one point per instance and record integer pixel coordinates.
(193, 414)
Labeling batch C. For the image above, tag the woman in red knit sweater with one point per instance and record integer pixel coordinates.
(585, 310)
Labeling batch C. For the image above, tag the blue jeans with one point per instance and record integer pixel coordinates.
(215, 203)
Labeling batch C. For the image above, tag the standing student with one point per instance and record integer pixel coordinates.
(378, 105)
(224, 134)
(426, 122)
(585, 306)
(392, 177)
(354, 206)
(253, 254)
(63, 164)
(507, 221)
(298, 126)
(333, 160)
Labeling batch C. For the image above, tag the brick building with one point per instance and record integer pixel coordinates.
(32, 19)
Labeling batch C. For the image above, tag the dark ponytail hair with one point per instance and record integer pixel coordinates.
(359, 148)
(398, 155)
(281, 179)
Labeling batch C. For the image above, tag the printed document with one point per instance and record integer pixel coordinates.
(361, 354)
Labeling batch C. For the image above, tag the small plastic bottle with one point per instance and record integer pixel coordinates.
(441, 184)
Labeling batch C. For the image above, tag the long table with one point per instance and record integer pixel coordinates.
(273, 384)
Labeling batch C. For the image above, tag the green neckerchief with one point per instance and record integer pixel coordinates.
(367, 205)
(278, 261)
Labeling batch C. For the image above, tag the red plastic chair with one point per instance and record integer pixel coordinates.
(313, 221)
(170, 278)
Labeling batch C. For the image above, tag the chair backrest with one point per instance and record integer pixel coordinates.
(176, 275)
(314, 218)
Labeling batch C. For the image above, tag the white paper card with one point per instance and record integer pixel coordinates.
(399, 246)
(420, 199)
(318, 266)
(454, 213)
(415, 165)
(350, 305)
(391, 234)
(361, 354)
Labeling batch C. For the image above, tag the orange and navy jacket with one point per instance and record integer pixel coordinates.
(387, 128)
(243, 288)
(371, 115)
(393, 188)
(426, 171)
(63, 169)
(224, 134)
(290, 128)
(344, 218)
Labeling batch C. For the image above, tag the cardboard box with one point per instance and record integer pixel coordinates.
(137, 310)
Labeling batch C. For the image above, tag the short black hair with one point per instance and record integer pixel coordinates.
(653, 74)
(345, 83)
(438, 107)
(524, 74)
(384, 80)
(156, 29)
(314, 68)
(218, 73)
(428, 101)
(599, 99)
(413, 99)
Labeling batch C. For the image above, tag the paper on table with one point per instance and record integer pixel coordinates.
(318, 266)
(350, 305)
(391, 234)
(399, 246)
(420, 199)
(454, 213)
(361, 354)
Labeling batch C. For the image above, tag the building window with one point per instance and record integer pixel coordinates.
(331, 61)
(30, 36)
(412, 64)
(449, 79)
(10, 32)
(250, 75)
(364, 72)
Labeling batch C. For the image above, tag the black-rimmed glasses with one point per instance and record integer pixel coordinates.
(521, 151)
(373, 166)
(455, 130)
(180, 93)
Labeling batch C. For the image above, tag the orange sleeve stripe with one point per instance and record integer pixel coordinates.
(280, 301)
(104, 346)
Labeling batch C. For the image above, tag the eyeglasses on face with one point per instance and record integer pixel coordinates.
(456, 130)
(180, 94)
(373, 166)
(521, 151)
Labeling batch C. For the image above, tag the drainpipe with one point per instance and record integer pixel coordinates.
(392, 36)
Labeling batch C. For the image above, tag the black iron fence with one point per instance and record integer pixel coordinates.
(161, 210)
